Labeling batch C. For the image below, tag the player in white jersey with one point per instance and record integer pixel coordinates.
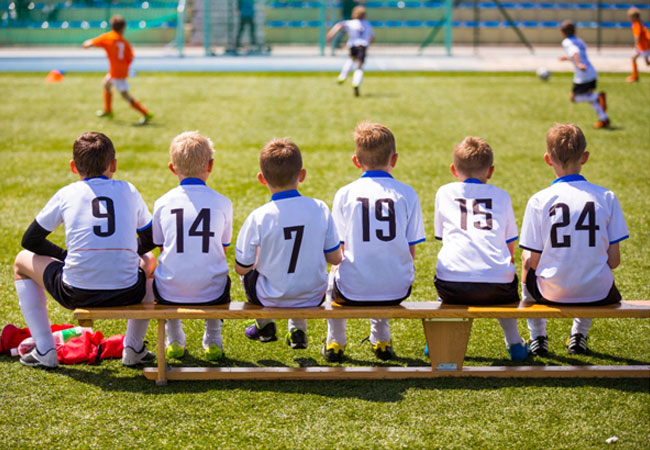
(584, 74)
(284, 246)
(101, 266)
(570, 236)
(380, 222)
(476, 224)
(360, 36)
(193, 225)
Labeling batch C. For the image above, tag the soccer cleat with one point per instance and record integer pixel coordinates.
(383, 351)
(264, 334)
(146, 119)
(333, 352)
(213, 353)
(356, 91)
(174, 350)
(538, 346)
(34, 359)
(518, 352)
(602, 124)
(602, 99)
(632, 79)
(340, 81)
(296, 339)
(577, 344)
(131, 358)
(102, 113)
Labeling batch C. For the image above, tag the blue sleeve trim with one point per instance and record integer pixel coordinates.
(512, 239)
(330, 250)
(418, 241)
(226, 245)
(619, 240)
(245, 266)
(146, 226)
(530, 249)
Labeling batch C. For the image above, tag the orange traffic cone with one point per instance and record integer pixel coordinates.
(55, 76)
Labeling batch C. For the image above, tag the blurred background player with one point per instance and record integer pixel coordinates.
(119, 53)
(641, 42)
(360, 35)
(346, 14)
(246, 10)
(584, 74)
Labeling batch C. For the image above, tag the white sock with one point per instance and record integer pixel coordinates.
(510, 331)
(300, 324)
(33, 304)
(525, 295)
(336, 331)
(136, 330)
(346, 69)
(581, 326)
(602, 115)
(379, 331)
(537, 328)
(212, 334)
(357, 78)
(579, 98)
(261, 323)
(174, 332)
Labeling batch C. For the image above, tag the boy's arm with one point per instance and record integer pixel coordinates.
(35, 241)
(334, 257)
(579, 65)
(412, 250)
(241, 270)
(613, 256)
(511, 248)
(145, 241)
(88, 43)
(335, 29)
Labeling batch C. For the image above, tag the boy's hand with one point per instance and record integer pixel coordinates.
(88, 43)
(581, 67)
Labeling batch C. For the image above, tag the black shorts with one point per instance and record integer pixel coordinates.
(583, 88)
(221, 300)
(250, 287)
(340, 299)
(358, 52)
(613, 296)
(484, 294)
(71, 297)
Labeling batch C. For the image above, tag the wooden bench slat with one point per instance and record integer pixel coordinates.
(407, 310)
(339, 373)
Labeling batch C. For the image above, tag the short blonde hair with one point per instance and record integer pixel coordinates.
(473, 155)
(565, 143)
(358, 12)
(190, 153)
(374, 144)
(634, 13)
(280, 162)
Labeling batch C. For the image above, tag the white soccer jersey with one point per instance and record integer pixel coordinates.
(475, 222)
(193, 224)
(572, 223)
(292, 233)
(360, 32)
(573, 45)
(101, 217)
(377, 218)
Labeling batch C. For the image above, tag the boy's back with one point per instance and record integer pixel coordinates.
(101, 217)
(119, 53)
(475, 221)
(378, 218)
(292, 232)
(572, 223)
(574, 45)
(193, 223)
(360, 32)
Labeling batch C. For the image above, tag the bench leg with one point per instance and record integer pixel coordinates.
(86, 323)
(447, 340)
(162, 364)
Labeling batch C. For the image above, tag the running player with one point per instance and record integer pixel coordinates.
(641, 42)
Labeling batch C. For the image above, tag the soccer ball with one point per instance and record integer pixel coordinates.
(543, 73)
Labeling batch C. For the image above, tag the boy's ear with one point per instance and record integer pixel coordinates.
(454, 172)
(547, 158)
(356, 162)
(584, 158)
(113, 166)
(73, 167)
(210, 167)
(171, 167)
(490, 172)
(393, 160)
(301, 177)
(261, 179)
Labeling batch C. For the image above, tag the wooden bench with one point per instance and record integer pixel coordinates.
(446, 327)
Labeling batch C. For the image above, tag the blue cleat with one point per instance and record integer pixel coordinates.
(518, 352)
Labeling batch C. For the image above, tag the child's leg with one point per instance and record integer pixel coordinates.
(345, 70)
(300, 324)
(581, 326)
(592, 98)
(135, 104)
(635, 70)
(174, 332)
(28, 279)
(510, 331)
(379, 331)
(212, 334)
(537, 328)
(108, 95)
(137, 329)
(357, 78)
(336, 331)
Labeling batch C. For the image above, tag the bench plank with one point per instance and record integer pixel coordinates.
(407, 310)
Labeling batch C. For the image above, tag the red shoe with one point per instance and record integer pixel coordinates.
(602, 124)
(602, 99)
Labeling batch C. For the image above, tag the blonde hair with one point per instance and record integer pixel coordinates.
(280, 162)
(565, 143)
(473, 155)
(190, 153)
(359, 12)
(634, 13)
(374, 144)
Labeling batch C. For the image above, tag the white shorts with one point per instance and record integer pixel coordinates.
(644, 53)
(120, 83)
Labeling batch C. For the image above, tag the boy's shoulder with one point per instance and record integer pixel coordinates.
(566, 188)
(472, 187)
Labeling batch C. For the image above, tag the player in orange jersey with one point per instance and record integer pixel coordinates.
(641, 42)
(120, 55)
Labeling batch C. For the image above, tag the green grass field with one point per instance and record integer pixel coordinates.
(108, 406)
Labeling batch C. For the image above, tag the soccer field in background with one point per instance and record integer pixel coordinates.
(108, 406)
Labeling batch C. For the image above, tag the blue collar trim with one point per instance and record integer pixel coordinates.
(285, 194)
(569, 178)
(376, 174)
(191, 181)
(473, 181)
(103, 177)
